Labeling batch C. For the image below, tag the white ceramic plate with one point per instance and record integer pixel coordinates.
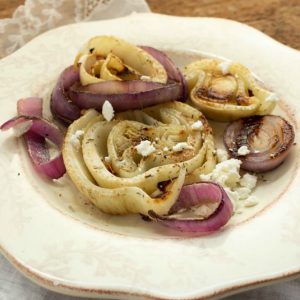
(55, 238)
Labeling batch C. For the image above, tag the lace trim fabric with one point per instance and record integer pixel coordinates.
(37, 16)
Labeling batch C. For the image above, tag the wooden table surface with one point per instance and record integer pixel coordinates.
(278, 18)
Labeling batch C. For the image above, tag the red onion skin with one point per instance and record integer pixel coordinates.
(39, 154)
(13, 122)
(27, 109)
(257, 165)
(38, 151)
(262, 161)
(69, 96)
(202, 227)
(47, 130)
(39, 129)
(31, 107)
(191, 194)
(85, 97)
(116, 87)
(173, 72)
(61, 105)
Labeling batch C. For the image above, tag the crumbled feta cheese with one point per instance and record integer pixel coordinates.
(204, 210)
(272, 98)
(243, 192)
(225, 173)
(107, 159)
(165, 149)
(222, 155)
(248, 181)
(251, 201)
(181, 146)
(233, 195)
(243, 150)
(146, 78)
(238, 188)
(205, 177)
(197, 125)
(75, 138)
(225, 66)
(145, 148)
(107, 111)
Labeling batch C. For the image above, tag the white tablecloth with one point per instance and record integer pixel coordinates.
(31, 20)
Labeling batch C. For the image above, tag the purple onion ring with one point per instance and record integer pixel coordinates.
(194, 195)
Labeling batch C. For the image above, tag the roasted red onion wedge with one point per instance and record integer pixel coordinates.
(69, 96)
(267, 139)
(173, 72)
(35, 133)
(123, 95)
(192, 196)
(61, 105)
(29, 107)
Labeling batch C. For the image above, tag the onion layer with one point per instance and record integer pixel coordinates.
(123, 95)
(31, 107)
(195, 195)
(61, 105)
(173, 72)
(268, 140)
(35, 133)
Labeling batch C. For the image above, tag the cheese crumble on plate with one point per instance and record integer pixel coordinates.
(237, 187)
(145, 148)
(107, 111)
(182, 146)
(75, 138)
(243, 150)
(197, 125)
